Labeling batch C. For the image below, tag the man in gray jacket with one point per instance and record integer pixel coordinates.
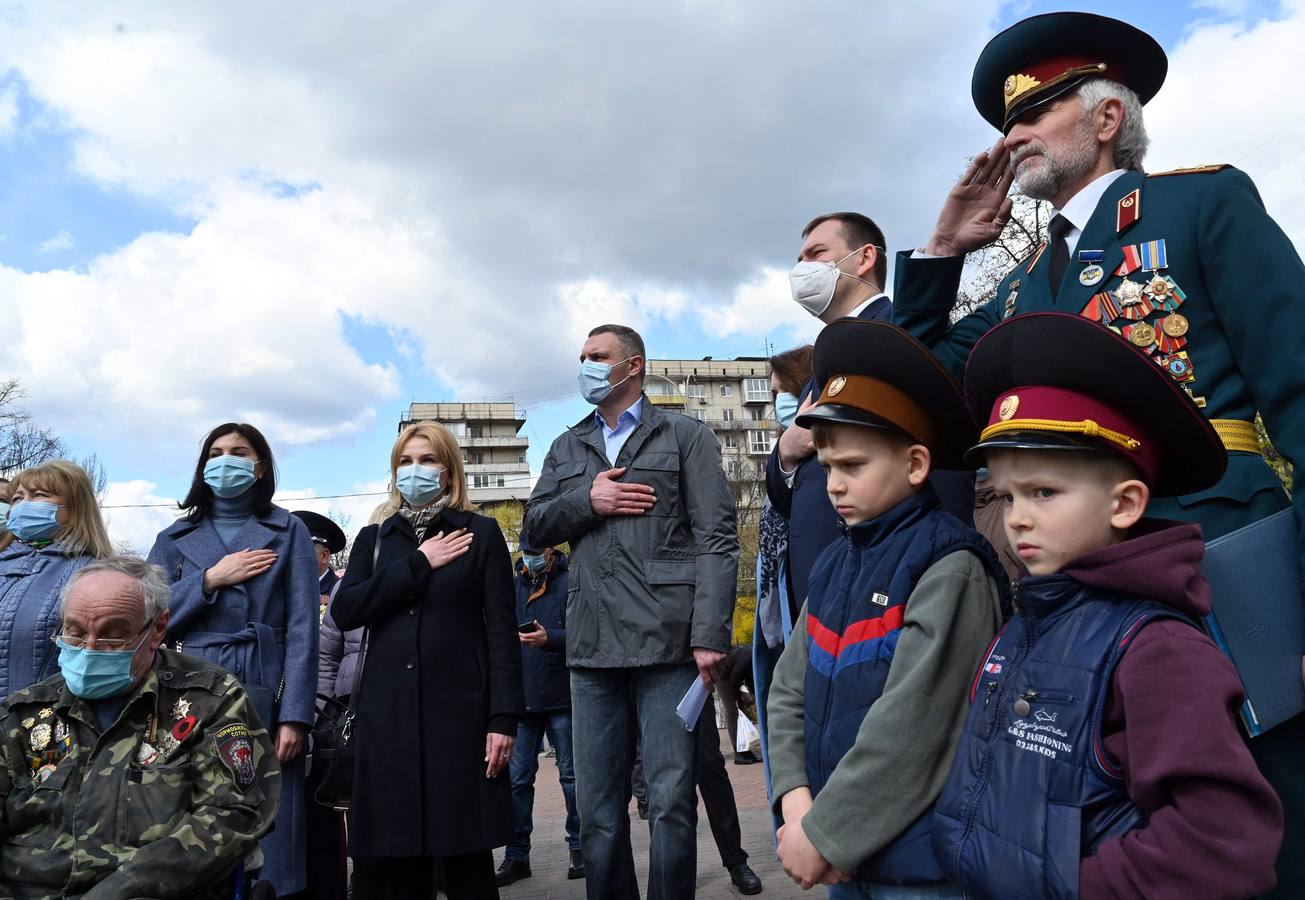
(641, 497)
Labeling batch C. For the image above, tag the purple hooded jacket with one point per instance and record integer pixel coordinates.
(1214, 823)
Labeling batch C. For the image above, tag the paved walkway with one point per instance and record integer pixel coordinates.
(548, 856)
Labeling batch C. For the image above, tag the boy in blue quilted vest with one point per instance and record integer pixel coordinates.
(1101, 756)
(870, 693)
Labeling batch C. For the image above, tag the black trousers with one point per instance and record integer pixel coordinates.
(326, 853)
(716, 791)
(469, 876)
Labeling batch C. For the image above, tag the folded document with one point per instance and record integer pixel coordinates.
(1258, 618)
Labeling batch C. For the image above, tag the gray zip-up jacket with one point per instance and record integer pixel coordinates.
(645, 589)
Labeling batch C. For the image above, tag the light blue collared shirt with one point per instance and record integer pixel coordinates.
(614, 438)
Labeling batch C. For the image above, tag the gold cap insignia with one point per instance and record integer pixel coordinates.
(836, 385)
(1008, 407)
(1018, 85)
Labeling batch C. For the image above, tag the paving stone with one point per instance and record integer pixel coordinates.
(548, 855)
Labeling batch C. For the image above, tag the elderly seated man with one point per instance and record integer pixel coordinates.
(136, 771)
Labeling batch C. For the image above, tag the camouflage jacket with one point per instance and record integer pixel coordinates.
(165, 803)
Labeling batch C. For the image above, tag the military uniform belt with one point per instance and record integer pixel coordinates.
(1237, 435)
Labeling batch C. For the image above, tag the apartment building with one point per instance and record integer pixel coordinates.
(493, 449)
(732, 396)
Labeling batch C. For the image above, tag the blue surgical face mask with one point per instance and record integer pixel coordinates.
(4, 515)
(34, 520)
(419, 485)
(229, 476)
(534, 563)
(594, 386)
(786, 407)
(96, 674)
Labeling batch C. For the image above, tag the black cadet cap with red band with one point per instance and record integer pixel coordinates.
(875, 375)
(1052, 381)
(1042, 57)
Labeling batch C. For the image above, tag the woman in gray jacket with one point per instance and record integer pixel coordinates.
(54, 530)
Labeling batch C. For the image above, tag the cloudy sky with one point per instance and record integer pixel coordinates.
(308, 215)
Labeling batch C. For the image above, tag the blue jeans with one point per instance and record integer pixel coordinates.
(860, 890)
(524, 767)
(607, 705)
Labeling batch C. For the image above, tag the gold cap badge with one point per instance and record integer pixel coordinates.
(836, 385)
(1008, 407)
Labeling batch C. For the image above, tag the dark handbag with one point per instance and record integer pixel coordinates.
(333, 737)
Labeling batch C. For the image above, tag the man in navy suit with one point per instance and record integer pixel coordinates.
(840, 273)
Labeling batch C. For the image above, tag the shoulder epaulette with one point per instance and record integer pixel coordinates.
(1190, 170)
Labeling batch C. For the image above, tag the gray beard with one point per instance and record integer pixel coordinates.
(1058, 172)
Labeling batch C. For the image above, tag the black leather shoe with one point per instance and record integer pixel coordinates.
(577, 867)
(746, 758)
(745, 879)
(511, 870)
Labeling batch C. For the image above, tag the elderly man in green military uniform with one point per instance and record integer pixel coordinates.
(1186, 265)
(136, 772)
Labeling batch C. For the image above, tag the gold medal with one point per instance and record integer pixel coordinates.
(46, 713)
(1174, 325)
(40, 737)
(28, 722)
(1158, 287)
(1142, 335)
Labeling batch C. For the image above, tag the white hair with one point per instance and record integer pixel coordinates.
(155, 591)
(1131, 141)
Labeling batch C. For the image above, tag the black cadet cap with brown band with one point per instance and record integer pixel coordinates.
(875, 375)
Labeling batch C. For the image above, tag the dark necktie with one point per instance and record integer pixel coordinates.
(1059, 249)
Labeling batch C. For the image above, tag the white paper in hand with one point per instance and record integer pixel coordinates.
(691, 706)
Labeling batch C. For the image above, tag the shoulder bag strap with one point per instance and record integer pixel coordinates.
(362, 649)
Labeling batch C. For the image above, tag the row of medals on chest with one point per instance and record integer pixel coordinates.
(1157, 293)
(45, 730)
(1131, 301)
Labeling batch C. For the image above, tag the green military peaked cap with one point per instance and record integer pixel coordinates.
(1042, 57)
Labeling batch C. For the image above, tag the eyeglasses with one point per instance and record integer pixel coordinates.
(107, 645)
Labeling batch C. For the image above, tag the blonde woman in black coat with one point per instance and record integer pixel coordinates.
(441, 685)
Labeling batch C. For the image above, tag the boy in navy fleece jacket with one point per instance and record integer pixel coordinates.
(1101, 756)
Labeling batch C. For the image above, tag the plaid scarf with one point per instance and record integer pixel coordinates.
(420, 519)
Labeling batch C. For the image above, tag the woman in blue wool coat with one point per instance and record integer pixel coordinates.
(245, 596)
(54, 530)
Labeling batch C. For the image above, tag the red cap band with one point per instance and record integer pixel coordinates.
(1053, 410)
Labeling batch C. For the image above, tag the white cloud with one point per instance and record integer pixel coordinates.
(764, 307)
(134, 514)
(172, 334)
(1210, 109)
(594, 142)
(353, 512)
(8, 108)
(62, 240)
